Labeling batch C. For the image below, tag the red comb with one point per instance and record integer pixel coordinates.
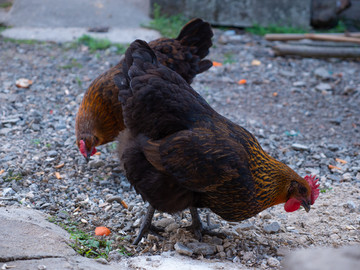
(82, 148)
(315, 191)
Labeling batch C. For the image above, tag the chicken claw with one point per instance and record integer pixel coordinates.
(146, 225)
(199, 229)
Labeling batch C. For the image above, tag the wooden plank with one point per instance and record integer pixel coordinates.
(310, 51)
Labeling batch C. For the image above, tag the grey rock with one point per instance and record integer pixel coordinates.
(322, 73)
(300, 147)
(202, 248)
(299, 83)
(164, 222)
(244, 227)
(182, 249)
(52, 153)
(323, 258)
(350, 205)
(273, 262)
(323, 87)
(5, 131)
(95, 164)
(172, 227)
(272, 227)
(7, 192)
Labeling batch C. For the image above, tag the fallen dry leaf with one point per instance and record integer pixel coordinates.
(102, 231)
(255, 62)
(216, 64)
(341, 160)
(332, 167)
(242, 81)
(59, 166)
(275, 94)
(2, 171)
(23, 83)
(97, 153)
(124, 204)
(57, 174)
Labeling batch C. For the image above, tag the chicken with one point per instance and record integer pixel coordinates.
(180, 153)
(99, 119)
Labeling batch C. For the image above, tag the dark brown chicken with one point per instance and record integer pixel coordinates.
(99, 119)
(182, 154)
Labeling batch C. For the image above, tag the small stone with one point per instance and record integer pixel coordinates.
(52, 153)
(300, 147)
(95, 164)
(202, 248)
(217, 241)
(102, 261)
(299, 84)
(41, 267)
(346, 177)
(244, 227)
(164, 222)
(333, 147)
(171, 227)
(272, 227)
(222, 254)
(8, 192)
(350, 205)
(273, 262)
(286, 73)
(322, 73)
(182, 249)
(323, 87)
(219, 248)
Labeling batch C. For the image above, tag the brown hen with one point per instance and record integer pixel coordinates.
(99, 119)
(180, 153)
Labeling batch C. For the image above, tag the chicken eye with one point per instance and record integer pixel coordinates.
(302, 190)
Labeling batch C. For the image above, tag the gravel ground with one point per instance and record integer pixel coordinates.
(305, 112)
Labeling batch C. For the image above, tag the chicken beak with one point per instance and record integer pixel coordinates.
(306, 205)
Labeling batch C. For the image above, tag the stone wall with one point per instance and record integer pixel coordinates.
(242, 13)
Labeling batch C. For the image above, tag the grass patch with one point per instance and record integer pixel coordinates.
(5, 5)
(73, 64)
(85, 244)
(324, 190)
(275, 29)
(229, 58)
(95, 44)
(23, 41)
(13, 176)
(168, 26)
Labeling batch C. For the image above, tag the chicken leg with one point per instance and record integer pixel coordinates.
(146, 225)
(199, 229)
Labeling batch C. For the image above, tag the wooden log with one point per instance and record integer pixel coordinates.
(286, 37)
(318, 43)
(332, 38)
(310, 51)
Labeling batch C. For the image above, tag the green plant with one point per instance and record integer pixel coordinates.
(23, 41)
(79, 82)
(261, 30)
(74, 63)
(112, 146)
(168, 26)
(13, 176)
(324, 190)
(229, 58)
(5, 5)
(94, 43)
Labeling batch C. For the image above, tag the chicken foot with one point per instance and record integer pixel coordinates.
(146, 225)
(199, 229)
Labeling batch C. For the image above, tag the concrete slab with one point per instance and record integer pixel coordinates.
(68, 34)
(29, 241)
(79, 13)
(27, 235)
